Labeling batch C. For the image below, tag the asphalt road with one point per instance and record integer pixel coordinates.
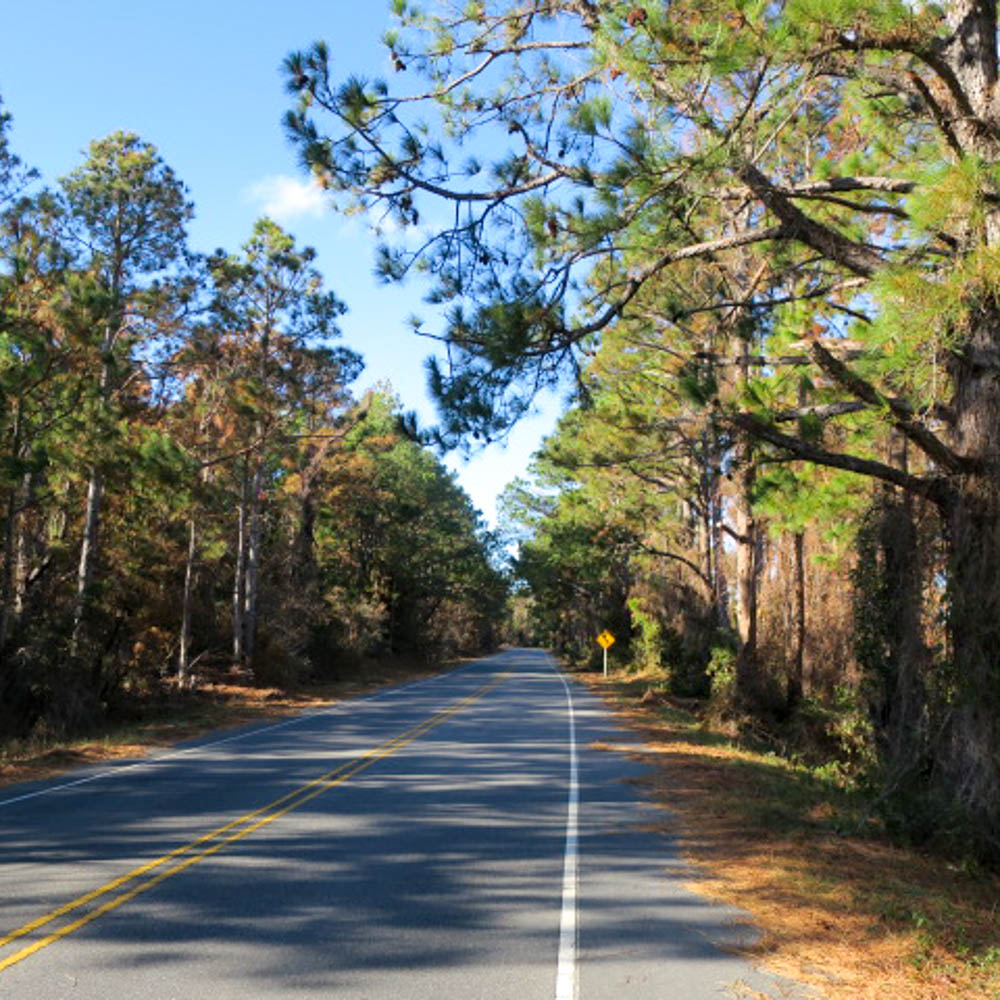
(460, 837)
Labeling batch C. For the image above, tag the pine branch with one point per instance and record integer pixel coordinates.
(766, 360)
(826, 412)
(929, 52)
(890, 185)
(857, 257)
(637, 280)
(935, 489)
(902, 412)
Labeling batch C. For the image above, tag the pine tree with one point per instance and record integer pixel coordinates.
(854, 148)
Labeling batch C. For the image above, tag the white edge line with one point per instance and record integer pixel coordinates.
(149, 761)
(566, 971)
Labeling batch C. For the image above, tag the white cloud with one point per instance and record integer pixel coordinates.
(284, 198)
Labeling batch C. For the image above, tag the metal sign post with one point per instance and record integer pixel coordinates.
(606, 640)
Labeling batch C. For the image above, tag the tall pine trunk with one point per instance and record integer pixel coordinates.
(251, 586)
(971, 771)
(95, 495)
(748, 560)
(972, 758)
(748, 566)
(722, 620)
(22, 552)
(239, 576)
(7, 604)
(184, 652)
(88, 553)
(796, 680)
(304, 567)
(747, 574)
(190, 580)
(10, 531)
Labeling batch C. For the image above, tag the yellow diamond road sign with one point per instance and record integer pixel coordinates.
(606, 639)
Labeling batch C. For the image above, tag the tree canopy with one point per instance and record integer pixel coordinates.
(789, 211)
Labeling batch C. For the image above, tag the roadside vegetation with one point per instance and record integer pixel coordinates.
(839, 905)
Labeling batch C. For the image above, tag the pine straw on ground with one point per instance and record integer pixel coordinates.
(222, 700)
(839, 907)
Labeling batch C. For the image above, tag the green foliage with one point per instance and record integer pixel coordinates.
(200, 402)
(721, 672)
(125, 211)
(952, 197)
(647, 649)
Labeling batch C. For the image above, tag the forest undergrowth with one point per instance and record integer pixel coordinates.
(838, 904)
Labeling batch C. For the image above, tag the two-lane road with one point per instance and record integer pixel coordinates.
(454, 838)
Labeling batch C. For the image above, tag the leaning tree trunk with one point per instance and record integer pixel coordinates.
(190, 582)
(88, 553)
(95, 495)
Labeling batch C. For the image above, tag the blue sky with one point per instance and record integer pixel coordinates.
(202, 82)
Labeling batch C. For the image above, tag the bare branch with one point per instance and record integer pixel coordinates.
(684, 561)
(891, 185)
(825, 412)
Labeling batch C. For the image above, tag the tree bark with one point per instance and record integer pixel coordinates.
(250, 592)
(722, 620)
(971, 771)
(22, 554)
(184, 652)
(796, 685)
(239, 576)
(901, 730)
(95, 494)
(88, 553)
(747, 575)
(747, 562)
(971, 768)
(10, 530)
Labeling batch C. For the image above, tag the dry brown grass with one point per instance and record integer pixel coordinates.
(839, 907)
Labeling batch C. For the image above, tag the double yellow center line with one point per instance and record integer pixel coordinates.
(152, 873)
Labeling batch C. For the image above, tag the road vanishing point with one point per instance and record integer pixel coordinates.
(461, 837)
